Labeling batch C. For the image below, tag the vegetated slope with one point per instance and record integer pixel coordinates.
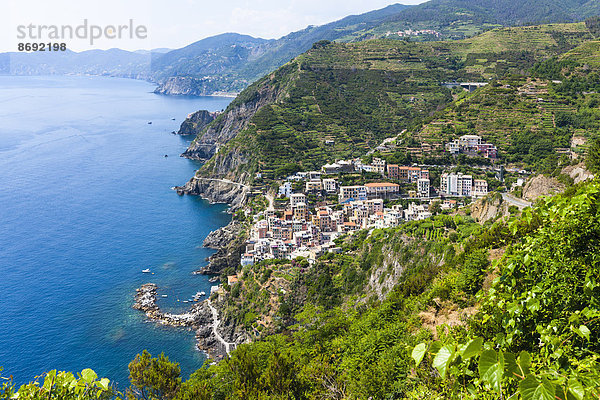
(460, 18)
(533, 118)
(340, 100)
(534, 316)
(449, 19)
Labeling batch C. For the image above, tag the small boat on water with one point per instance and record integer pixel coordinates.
(199, 295)
(146, 271)
(164, 295)
(149, 122)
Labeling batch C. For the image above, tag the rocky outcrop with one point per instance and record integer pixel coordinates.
(195, 122)
(230, 242)
(223, 236)
(231, 122)
(489, 208)
(578, 173)
(145, 300)
(216, 191)
(541, 185)
(386, 275)
(189, 86)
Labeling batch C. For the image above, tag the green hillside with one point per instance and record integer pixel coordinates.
(506, 310)
(532, 118)
(357, 94)
(233, 69)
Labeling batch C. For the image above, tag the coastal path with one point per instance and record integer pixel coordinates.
(216, 323)
(229, 181)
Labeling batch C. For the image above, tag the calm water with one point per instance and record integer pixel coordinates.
(85, 205)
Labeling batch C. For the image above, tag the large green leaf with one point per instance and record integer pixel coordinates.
(531, 389)
(104, 382)
(472, 348)
(576, 388)
(510, 365)
(524, 362)
(491, 368)
(443, 358)
(419, 352)
(88, 375)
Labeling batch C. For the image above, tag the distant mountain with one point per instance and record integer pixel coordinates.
(231, 61)
(433, 20)
(219, 54)
(112, 62)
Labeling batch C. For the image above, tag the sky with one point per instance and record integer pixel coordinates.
(165, 23)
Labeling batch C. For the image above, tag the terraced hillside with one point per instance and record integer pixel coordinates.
(530, 117)
(340, 100)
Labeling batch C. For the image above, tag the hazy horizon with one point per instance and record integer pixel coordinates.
(178, 23)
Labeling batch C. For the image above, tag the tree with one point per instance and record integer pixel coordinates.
(593, 156)
(153, 378)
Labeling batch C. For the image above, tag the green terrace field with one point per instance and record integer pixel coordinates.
(496, 112)
(358, 94)
(588, 53)
(529, 116)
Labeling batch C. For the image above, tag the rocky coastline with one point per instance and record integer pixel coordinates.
(230, 242)
(202, 317)
(196, 122)
(190, 86)
(216, 191)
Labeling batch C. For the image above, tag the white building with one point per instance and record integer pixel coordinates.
(423, 187)
(285, 189)
(456, 184)
(378, 165)
(416, 212)
(480, 188)
(296, 199)
(329, 185)
(469, 141)
(352, 192)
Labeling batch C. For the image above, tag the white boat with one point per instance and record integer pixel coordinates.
(202, 293)
(164, 295)
(147, 270)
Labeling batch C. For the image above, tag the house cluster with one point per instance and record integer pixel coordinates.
(472, 145)
(302, 232)
(458, 184)
(406, 174)
(410, 32)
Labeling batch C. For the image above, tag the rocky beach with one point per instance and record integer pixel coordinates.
(214, 339)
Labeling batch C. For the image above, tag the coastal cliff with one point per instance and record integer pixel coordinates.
(195, 122)
(189, 86)
(235, 118)
(230, 243)
(216, 191)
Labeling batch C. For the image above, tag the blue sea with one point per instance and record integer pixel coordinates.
(85, 205)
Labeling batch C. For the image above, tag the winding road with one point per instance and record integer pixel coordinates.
(516, 201)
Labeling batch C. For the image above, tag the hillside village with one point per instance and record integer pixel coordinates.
(314, 208)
